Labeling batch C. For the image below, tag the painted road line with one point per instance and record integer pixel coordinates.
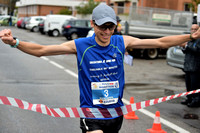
(163, 121)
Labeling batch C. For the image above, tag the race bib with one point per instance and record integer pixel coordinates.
(105, 92)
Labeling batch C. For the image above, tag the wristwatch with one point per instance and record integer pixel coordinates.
(17, 43)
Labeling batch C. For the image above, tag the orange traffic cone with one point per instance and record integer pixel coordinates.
(156, 128)
(131, 115)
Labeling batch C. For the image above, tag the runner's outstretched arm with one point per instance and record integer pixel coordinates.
(37, 49)
(163, 42)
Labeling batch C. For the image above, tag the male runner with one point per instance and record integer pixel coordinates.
(100, 63)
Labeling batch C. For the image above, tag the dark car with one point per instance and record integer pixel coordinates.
(73, 29)
(41, 27)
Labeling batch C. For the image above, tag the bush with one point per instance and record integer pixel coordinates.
(87, 8)
(65, 12)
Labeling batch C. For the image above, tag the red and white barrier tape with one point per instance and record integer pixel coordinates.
(87, 112)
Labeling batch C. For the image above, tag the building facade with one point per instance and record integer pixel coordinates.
(7, 7)
(181, 5)
(44, 7)
(3, 9)
(28, 8)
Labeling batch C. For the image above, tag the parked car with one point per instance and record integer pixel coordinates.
(90, 32)
(4, 20)
(32, 23)
(19, 22)
(41, 27)
(73, 29)
(175, 57)
(3, 16)
(53, 24)
(24, 21)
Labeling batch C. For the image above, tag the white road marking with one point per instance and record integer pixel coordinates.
(165, 122)
(144, 111)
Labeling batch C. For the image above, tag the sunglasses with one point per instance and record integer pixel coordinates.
(105, 27)
(194, 29)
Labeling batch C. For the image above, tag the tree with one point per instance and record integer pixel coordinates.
(12, 6)
(65, 12)
(194, 5)
(87, 8)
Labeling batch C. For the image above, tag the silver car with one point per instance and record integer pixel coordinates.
(32, 23)
(175, 57)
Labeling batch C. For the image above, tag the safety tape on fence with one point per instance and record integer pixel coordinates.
(78, 112)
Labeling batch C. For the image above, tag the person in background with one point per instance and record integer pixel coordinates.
(118, 28)
(10, 21)
(192, 69)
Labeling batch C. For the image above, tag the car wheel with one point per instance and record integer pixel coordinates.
(150, 53)
(74, 36)
(68, 38)
(35, 29)
(55, 33)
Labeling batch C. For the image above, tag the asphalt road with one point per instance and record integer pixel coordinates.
(36, 80)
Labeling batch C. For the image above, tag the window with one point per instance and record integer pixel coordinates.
(134, 4)
(121, 8)
(88, 24)
(80, 23)
(187, 7)
(32, 9)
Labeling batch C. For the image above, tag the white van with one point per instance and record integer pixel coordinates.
(53, 24)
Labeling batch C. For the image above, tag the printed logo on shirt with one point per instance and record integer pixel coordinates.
(115, 55)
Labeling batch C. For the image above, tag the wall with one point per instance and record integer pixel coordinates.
(44, 10)
(40, 10)
(168, 4)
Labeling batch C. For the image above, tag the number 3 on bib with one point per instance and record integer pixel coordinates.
(106, 93)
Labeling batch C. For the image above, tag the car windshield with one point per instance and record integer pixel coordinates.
(20, 19)
(28, 19)
(14, 18)
(2, 17)
(66, 22)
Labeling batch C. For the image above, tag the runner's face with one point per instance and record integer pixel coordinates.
(103, 33)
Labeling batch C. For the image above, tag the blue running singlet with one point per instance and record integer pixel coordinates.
(101, 72)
